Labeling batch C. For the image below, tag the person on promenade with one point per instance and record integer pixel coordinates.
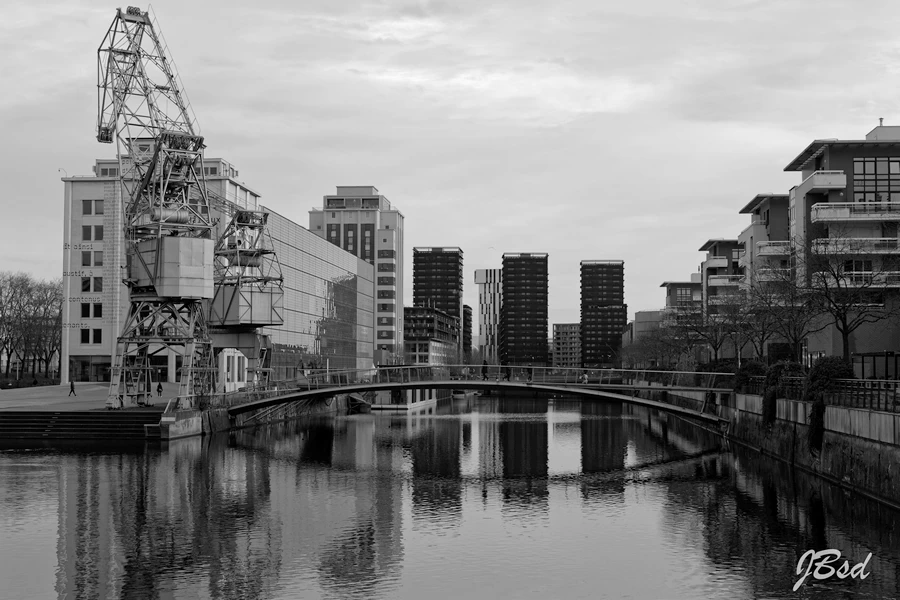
(159, 389)
(508, 374)
(484, 370)
(72, 388)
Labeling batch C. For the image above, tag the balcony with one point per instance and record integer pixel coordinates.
(716, 262)
(821, 182)
(829, 212)
(776, 248)
(879, 279)
(723, 299)
(724, 280)
(855, 246)
(773, 274)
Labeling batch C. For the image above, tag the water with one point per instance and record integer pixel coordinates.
(482, 498)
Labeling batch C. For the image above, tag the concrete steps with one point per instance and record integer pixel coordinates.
(81, 425)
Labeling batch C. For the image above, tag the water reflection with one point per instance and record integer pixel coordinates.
(512, 490)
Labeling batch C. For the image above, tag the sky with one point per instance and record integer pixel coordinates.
(589, 130)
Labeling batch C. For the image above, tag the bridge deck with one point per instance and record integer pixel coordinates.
(517, 386)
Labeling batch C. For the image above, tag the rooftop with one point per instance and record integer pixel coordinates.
(712, 243)
(759, 199)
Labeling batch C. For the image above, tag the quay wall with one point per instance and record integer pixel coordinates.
(860, 449)
(191, 423)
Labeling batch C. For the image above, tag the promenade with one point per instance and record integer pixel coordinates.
(88, 396)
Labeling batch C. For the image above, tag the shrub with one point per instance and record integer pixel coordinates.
(826, 371)
(776, 372)
(750, 368)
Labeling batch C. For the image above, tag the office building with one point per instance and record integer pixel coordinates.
(523, 313)
(604, 313)
(364, 223)
(438, 282)
(328, 293)
(490, 298)
(567, 345)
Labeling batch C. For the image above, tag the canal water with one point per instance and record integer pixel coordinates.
(513, 497)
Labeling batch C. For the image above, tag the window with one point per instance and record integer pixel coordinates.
(98, 207)
(85, 233)
(98, 311)
(386, 267)
(85, 310)
(98, 233)
(85, 284)
(390, 294)
(85, 336)
(86, 259)
(98, 336)
(386, 254)
(98, 258)
(98, 284)
(87, 207)
(387, 281)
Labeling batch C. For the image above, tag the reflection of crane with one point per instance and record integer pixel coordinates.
(168, 231)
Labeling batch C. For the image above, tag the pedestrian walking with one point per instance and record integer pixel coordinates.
(72, 389)
(508, 373)
(159, 389)
(484, 370)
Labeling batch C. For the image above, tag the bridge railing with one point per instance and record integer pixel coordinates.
(327, 378)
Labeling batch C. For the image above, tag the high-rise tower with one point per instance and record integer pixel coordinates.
(523, 314)
(603, 311)
(438, 282)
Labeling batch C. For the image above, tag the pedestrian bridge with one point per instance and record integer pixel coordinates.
(628, 386)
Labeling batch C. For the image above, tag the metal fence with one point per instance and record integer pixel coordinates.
(872, 394)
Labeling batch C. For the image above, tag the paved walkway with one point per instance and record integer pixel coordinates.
(88, 396)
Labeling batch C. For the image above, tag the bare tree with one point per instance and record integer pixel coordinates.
(852, 281)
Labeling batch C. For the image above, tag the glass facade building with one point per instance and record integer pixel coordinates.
(328, 303)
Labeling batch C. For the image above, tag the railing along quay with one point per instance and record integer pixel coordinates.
(872, 394)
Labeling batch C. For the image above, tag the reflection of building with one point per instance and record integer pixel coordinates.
(430, 336)
(467, 332)
(436, 485)
(438, 282)
(328, 293)
(603, 311)
(523, 314)
(567, 345)
(362, 222)
(490, 297)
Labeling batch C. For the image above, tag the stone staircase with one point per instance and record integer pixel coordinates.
(80, 425)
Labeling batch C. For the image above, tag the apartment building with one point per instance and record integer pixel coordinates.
(720, 273)
(523, 314)
(467, 332)
(363, 222)
(604, 313)
(430, 336)
(846, 211)
(764, 245)
(490, 298)
(567, 345)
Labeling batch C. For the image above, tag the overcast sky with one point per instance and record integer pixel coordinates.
(584, 129)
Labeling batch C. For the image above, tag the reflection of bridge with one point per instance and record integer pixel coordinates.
(607, 384)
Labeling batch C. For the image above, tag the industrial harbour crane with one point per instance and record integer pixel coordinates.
(186, 289)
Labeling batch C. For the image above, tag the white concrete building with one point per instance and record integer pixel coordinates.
(490, 298)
